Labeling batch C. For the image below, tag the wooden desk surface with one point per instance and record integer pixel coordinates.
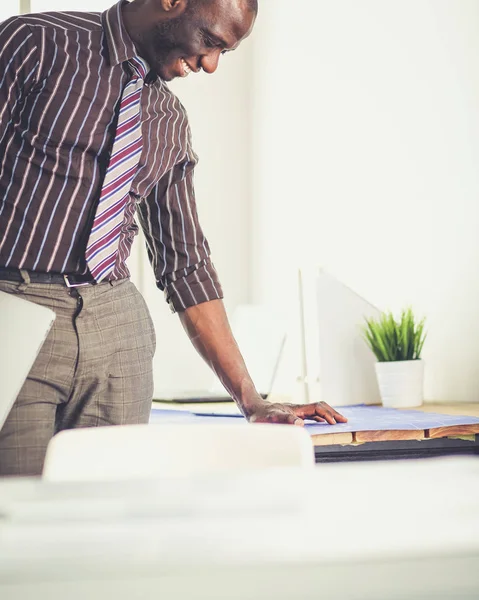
(359, 437)
(396, 435)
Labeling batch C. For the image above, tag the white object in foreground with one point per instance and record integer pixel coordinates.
(174, 450)
(24, 327)
(401, 383)
(392, 530)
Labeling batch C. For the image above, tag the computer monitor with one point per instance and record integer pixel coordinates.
(260, 335)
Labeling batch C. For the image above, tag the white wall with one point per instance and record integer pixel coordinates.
(366, 137)
(219, 110)
(359, 152)
(8, 9)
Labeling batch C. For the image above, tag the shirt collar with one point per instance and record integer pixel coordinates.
(120, 46)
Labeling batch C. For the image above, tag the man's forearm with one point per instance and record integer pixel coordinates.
(208, 329)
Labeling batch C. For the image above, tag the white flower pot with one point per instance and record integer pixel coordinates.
(401, 383)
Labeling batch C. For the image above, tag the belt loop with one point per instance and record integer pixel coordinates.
(26, 280)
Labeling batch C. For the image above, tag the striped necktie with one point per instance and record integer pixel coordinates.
(102, 248)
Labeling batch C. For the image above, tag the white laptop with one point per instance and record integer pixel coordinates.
(23, 329)
(346, 364)
(261, 337)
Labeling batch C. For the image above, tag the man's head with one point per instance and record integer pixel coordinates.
(180, 36)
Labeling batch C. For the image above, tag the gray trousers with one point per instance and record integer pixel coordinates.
(94, 369)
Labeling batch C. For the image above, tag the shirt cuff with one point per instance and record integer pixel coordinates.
(200, 284)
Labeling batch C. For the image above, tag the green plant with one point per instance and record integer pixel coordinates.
(392, 340)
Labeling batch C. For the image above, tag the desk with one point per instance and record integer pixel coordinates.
(394, 444)
(380, 445)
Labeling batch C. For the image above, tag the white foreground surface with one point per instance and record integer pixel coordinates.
(356, 531)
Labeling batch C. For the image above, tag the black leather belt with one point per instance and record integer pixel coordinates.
(36, 277)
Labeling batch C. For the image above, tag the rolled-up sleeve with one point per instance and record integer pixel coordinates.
(177, 248)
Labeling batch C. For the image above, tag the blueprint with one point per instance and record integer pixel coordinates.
(360, 418)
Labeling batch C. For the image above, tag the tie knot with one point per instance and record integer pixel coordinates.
(140, 66)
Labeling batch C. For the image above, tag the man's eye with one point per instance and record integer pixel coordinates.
(208, 42)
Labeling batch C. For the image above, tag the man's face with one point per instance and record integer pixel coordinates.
(196, 39)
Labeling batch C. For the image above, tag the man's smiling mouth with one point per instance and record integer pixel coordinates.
(186, 68)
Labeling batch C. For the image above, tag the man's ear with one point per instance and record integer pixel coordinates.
(174, 7)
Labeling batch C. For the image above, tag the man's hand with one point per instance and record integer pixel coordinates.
(293, 414)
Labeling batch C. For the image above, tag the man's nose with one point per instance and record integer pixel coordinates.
(209, 62)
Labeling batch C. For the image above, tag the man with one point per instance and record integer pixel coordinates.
(90, 134)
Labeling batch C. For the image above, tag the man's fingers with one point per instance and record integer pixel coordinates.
(311, 411)
(328, 417)
(339, 418)
(279, 417)
(321, 409)
(288, 418)
(295, 414)
(317, 419)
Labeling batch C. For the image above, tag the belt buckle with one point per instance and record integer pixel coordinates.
(74, 285)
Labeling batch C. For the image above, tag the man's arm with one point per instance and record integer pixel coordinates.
(179, 254)
(209, 331)
(18, 68)
(177, 248)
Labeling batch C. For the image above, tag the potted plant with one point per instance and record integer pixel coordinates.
(398, 346)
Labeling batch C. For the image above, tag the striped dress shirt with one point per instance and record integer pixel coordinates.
(61, 81)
